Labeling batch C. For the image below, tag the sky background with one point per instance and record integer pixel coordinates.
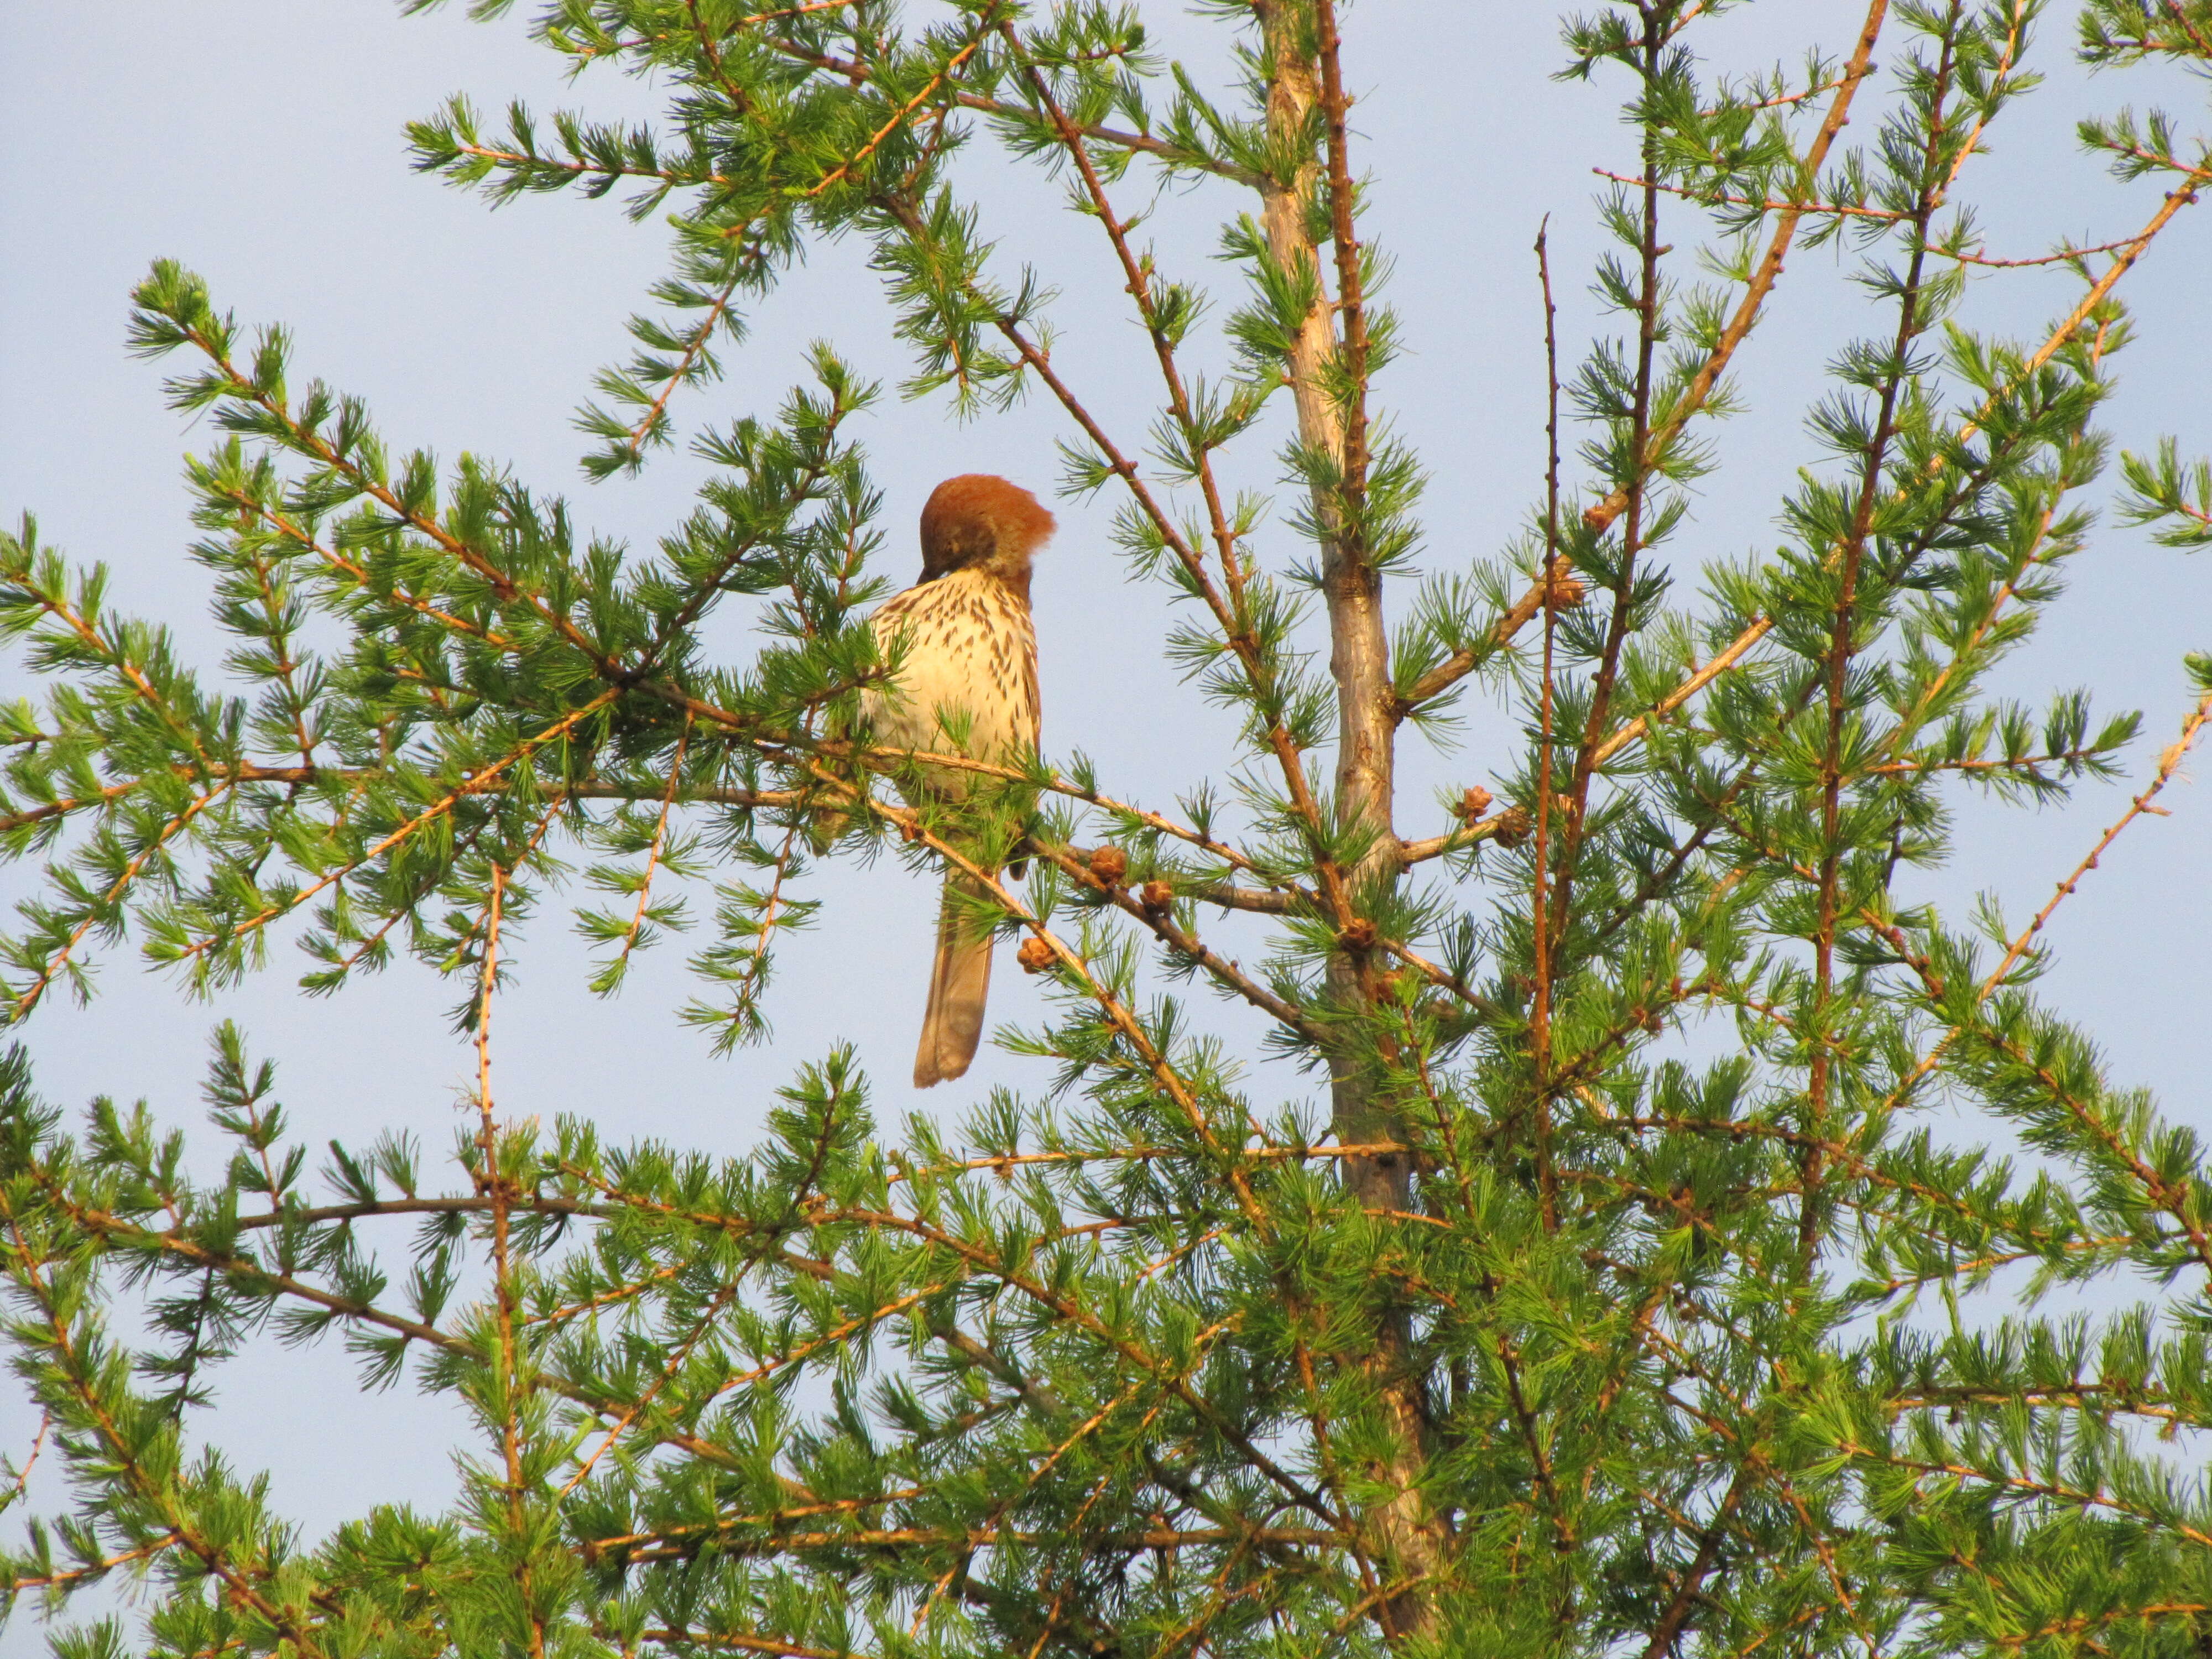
(260, 142)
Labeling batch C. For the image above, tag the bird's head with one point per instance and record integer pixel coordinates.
(978, 522)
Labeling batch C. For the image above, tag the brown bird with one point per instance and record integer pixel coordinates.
(968, 685)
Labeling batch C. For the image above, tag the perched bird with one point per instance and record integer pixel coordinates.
(967, 684)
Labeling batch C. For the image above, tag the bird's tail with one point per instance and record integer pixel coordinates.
(959, 985)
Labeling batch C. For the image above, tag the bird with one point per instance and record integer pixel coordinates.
(966, 683)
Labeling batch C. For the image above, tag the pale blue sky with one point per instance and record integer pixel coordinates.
(259, 142)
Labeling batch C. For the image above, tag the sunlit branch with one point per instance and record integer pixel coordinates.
(436, 810)
(1141, 143)
(1758, 628)
(28, 998)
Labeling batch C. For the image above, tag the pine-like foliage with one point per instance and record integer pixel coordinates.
(1527, 1334)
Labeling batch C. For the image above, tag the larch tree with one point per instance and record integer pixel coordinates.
(1630, 1272)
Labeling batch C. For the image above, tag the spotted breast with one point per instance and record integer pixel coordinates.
(968, 681)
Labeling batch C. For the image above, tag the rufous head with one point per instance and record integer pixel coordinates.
(979, 522)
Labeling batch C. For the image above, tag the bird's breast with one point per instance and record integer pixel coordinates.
(966, 682)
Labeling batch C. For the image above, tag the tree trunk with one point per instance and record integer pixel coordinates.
(1404, 1528)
